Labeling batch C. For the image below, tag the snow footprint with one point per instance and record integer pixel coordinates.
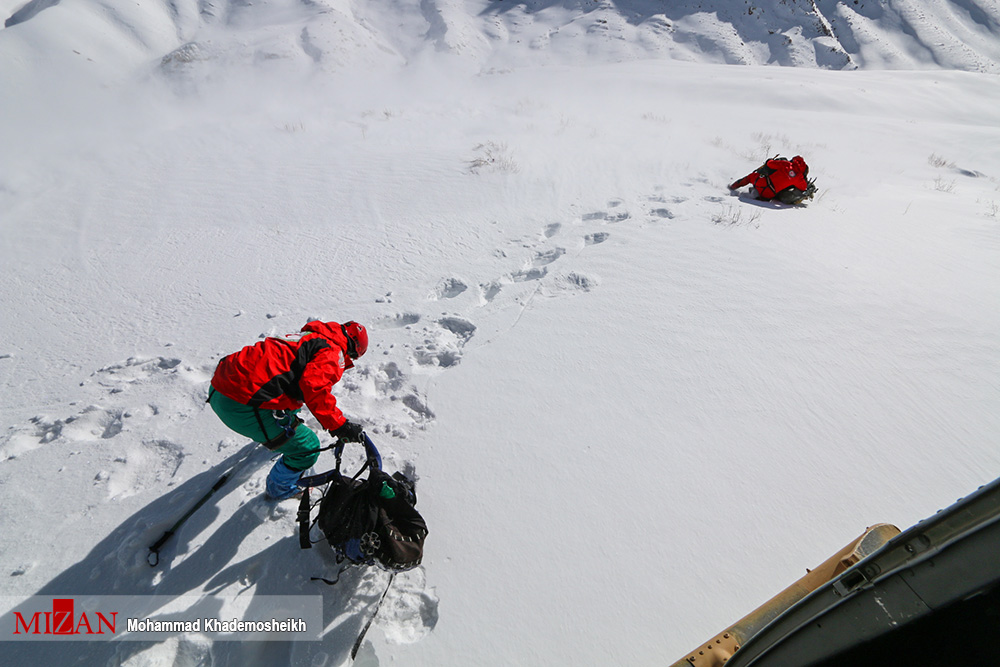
(488, 291)
(421, 411)
(534, 273)
(609, 216)
(571, 283)
(536, 267)
(389, 379)
(142, 466)
(397, 321)
(90, 424)
(463, 329)
(135, 369)
(254, 486)
(443, 343)
(449, 288)
(410, 611)
(547, 257)
(385, 399)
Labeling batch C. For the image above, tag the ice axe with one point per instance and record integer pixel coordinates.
(153, 558)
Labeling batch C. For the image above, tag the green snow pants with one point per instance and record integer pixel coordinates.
(300, 451)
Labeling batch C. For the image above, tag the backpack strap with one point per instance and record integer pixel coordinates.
(374, 459)
(333, 582)
(373, 462)
(765, 171)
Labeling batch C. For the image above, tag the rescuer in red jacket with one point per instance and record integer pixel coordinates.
(781, 179)
(258, 391)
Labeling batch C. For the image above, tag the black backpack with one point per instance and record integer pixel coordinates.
(370, 521)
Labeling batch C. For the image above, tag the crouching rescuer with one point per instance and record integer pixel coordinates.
(259, 391)
(780, 179)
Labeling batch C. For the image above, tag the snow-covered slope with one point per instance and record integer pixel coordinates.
(637, 405)
(112, 37)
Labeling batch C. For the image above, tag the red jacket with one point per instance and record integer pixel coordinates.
(776, 175)
(284, 373)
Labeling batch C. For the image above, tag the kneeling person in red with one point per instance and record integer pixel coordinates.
(781, 179)
(259, 390)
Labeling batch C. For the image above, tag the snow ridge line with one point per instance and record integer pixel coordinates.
(950, 35)
(828, 29)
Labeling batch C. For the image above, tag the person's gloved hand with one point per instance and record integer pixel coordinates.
(348, 432)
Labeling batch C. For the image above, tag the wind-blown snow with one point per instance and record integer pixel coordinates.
(637, 405)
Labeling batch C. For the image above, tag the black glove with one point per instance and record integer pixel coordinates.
(349, 432)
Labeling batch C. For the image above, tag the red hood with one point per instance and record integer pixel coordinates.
(332, 332)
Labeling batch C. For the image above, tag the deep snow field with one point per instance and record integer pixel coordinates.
(637, 405)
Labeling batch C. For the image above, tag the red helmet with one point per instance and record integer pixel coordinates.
(357, 338)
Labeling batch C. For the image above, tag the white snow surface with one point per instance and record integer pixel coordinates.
(637, 405)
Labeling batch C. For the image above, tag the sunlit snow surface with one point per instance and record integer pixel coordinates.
(637, 405)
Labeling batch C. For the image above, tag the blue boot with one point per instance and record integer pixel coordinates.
(282, 481)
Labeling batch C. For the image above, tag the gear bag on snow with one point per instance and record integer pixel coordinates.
(370, 521)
